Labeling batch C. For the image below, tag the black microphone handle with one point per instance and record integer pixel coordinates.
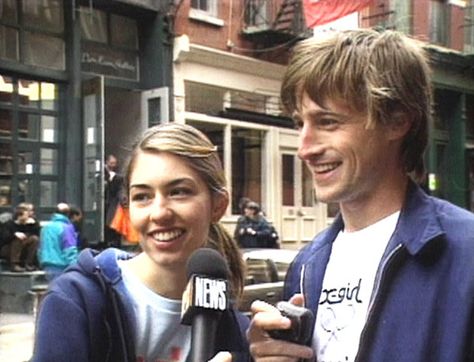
(203, 335)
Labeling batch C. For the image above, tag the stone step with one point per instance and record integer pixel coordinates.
(20, 292)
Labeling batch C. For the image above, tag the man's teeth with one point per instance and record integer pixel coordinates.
(326, 167)
(167, 235)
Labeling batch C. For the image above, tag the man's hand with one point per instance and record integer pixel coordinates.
(262, 347)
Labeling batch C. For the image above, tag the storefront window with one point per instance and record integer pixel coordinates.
(44, 15)
(49, 96)
(48, 161)
(123, 32)
(8, 43)
(49, 193)
(48, 129)
(5, 123)
(93, 24)
(8, 11)
(28, 126)
(35, 54)
(25, 162)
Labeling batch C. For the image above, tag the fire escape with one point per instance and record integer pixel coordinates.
(270, 23)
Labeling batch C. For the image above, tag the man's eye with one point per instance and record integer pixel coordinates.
(328, 122)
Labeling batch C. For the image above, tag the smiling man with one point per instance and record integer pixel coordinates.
(393, 278)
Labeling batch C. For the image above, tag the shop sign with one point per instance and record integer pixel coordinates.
(109, 62)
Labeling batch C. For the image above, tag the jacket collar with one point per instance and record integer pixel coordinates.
(417, 225)
(418, 222)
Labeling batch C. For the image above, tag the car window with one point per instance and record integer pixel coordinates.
(258, 271)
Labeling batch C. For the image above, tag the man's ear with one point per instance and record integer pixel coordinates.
(399, 126)
(220, 203)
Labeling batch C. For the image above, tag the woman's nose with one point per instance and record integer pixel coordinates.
(160, 210)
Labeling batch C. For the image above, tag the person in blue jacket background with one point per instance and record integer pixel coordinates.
(58, 246)
(113, 306)
(392, 279)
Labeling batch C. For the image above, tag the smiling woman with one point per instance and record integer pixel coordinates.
(130, 307)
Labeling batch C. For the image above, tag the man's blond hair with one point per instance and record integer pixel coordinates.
(384, 75)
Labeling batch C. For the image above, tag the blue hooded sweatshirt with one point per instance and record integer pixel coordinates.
(87, 315)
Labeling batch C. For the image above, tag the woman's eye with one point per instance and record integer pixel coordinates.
(180, 191)
(141, 198)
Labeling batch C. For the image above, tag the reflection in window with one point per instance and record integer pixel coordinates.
(48, 129)
(288, 180)
(8, 43)
(49, 96)
(48, 161)
(29, 126)
(6, 122)
(44, 15)
(5, 193)
(8, 11)
(247, 145)
(124, 32)
(6, 160)
(93, 24)
(25, 190)
(25, 162)
(48, 193)
(35, 54)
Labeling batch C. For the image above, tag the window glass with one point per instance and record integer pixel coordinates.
(469, 29)
(35, 54)
(402, 15)
(29, 93)
(208, 6)
(439, 22)
(44, 15)
(28, 126)
(8, 43)
(5, 192)
(6, 121)
(288, 180)
(8, 11)
(6, 160)
(49, 96)
(6, 89)
(25, 190)
(48, 193)
(93, 24)
(123, 32)
(48, 161)
(25, 162)
(247, 145)
(48, 129)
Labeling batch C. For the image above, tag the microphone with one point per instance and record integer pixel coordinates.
(205, 298)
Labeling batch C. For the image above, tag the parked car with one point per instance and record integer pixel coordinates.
(266, 271)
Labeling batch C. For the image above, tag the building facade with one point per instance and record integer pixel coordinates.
(82, 79)
(75, 84)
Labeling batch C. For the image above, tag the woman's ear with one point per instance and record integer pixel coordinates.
(220, 203)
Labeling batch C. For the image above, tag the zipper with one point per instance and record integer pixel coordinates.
(381, 276)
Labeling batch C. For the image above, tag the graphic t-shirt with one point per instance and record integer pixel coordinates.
(347, 289)
(160, 335)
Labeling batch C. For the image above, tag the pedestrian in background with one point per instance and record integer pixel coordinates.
(392, 279)
(21, 243)
(119, 307)
(253, 230)
(58, 243)
(112, 198)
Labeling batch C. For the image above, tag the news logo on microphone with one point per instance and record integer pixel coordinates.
(203, 293)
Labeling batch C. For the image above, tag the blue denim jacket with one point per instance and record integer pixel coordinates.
(422, 305)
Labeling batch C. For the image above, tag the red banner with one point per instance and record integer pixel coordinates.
(319, 12)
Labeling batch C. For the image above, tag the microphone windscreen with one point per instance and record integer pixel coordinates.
(208, 262)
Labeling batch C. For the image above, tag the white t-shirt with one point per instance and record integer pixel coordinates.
(160, 335)
(347, 288)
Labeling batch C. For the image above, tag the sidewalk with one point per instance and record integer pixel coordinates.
(16, 337)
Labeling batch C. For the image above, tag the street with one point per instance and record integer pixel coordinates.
(16, 337)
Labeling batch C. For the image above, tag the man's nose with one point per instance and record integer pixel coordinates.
(308, 142)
